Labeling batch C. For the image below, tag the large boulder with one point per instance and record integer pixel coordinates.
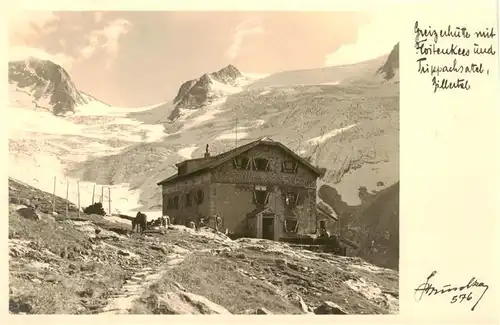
(29, 213)
(328, 308)
(263, 311)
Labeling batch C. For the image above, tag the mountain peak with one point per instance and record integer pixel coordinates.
(228, 74)
(230, 69)
(197, 92)
(391, 65)
(205, 78)
(46, 81)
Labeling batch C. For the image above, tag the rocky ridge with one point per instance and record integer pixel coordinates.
(48, 83)
(199, 92)
(391, 65)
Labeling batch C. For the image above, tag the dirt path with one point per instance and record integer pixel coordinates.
(122, 302)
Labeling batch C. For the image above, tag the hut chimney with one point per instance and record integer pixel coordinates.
(207, 154)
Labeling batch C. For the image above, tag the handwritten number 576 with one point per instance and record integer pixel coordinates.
(461, 297)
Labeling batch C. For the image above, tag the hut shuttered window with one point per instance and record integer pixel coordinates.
(261, 164)
(170, 203)
(261, 195)
(200, 196)
(292, 199)
(188, 199)
(241, 162)
(289, 166)
(175, 202)
(290, 225)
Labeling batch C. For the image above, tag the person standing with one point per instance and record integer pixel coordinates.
(163, 224)
(218, 222)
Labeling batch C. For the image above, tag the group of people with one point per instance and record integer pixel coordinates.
(202, 222)
(140, 223)
(322, 233)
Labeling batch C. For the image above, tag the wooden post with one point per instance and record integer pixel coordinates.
(78, 193)
(93, 194)
(236, 133)
(338, 226)
(67, 194)
(102, 195)
(54, 196)
(109, 199)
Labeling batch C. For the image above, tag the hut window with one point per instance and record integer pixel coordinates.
(260, 195)
(200, 196)
(289, 166)
(322, 224)
(261, 164)
(291, 199)
(175, 202)
(188, 199)
(291, 225)
(241, 162)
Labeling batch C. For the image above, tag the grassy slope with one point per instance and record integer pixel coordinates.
(247, 279)
(61, 265)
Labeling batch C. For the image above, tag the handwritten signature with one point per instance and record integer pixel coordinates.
(462, 293)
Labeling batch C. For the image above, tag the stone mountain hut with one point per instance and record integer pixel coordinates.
(261, 189)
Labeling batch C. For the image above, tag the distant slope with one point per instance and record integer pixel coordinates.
(157, 114)
(324, 76)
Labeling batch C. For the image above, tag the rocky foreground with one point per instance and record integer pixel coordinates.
(93, 264)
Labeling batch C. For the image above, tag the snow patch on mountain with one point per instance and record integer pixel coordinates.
(232, 136)
(322, 138)
(43, 146)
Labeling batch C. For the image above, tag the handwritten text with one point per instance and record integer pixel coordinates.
(465, 52)
(460, 294)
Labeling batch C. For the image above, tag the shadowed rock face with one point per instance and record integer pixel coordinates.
(379, 224)
(46, 80)
(184, 90)
(388, 70)
(373, 225)
(198, 92)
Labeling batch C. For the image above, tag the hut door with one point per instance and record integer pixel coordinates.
(268, 227)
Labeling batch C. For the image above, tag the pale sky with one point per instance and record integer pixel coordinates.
(136, 59)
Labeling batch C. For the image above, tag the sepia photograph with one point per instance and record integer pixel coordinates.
(203, 162)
